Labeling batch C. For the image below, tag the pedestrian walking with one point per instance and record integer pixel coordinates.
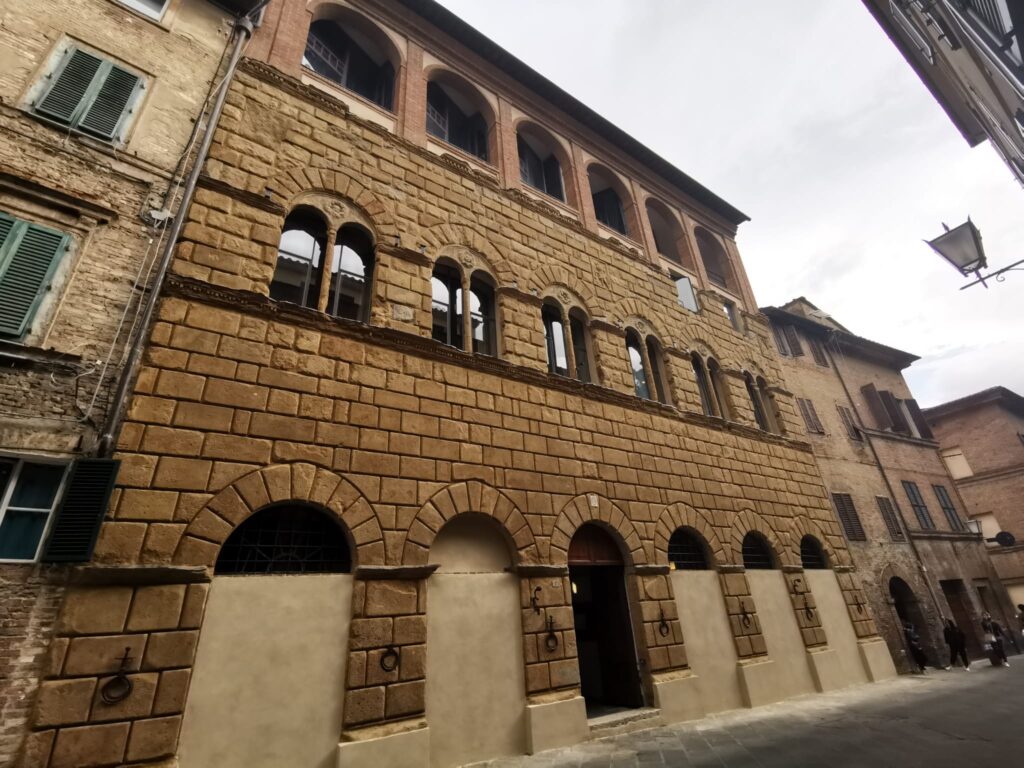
(914, 644)
(994, 634)
(957, 642)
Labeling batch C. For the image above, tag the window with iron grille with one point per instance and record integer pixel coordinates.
(947, 507)
(812, 554)
(757, 553)
(924, 518)
(848, 517)
(810, 416)
(687, 551)
(286, 539)
(90, 94)
(890, 518)
(846, 415)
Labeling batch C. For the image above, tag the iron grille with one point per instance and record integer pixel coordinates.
(687, 552)
(286, 539)
(812, 555)
(757, 555)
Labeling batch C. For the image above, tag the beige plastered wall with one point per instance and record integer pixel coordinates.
(270, 673)
(835, 618)
(791, 673)
(709, 643)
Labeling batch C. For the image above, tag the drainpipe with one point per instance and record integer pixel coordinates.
(888, 485)
(243, 30)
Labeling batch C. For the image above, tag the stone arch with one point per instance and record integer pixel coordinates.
(804, 526)
(448, 235)
(754, 369)
(298, 482)
(582, 509)
(468, 260)
(460, 498)
(703, 348)
(297, 182)
(630, 311)
(682, 515)
(748, 520)
(552, 275)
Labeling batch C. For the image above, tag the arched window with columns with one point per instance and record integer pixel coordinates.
(635, 354)
(771, 408)
(760, 413)
(719, 388)
(656, 363)
(300, 257)
(482, 315)
(566, 340)
(700, 374)
(716, 260)
(580, 346)
(647, 363)
(464, 307)
(554, 337)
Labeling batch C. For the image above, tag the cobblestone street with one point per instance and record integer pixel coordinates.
(945, 718)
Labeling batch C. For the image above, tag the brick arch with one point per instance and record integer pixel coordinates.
(460, 498)
(682, 515)
(579, 511)
(298, 482)
(298, 181)
(549, 275)
(748, 520)
(804, 526)
(437, 237)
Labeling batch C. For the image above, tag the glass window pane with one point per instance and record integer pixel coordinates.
(348, 283)
(579, 348)
(6, 470)
(481, 306)
(684, 291)
(37, 486)
(20, 533)
(636, 362)
(441, 297)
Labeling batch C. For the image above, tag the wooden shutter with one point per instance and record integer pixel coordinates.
(847, 416)
(815, 421)
(72, 83)
(892, 408)
(794, 341)
(848, 517)
(919, 420)
(28, 257)
(77, 520)
(818, 352)
(878, 411)
(805, 414)
(108, 109)
(889, 516)
(780, 340)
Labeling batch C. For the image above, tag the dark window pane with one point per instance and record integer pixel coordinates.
(20, 532)
(812, 555)
(286, 539)
(554, 335)
(608, 209)
(757, 555)
(447, 306)
(654, 357)
(579, 347)
(686, 551)
(636, 364)
(700, 374)
(37, 486)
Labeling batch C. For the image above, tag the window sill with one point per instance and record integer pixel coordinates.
(106, 147)
(160, 23)
(442, 148)
(386, 117)
(16, 355)
(613, 234)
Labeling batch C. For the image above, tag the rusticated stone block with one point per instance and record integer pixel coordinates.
(170, 649)
(171, 692)
(156, 607)
(364, 705)
(390, 598)
(404, 699)
(64, 702)
(102, 655)
(90, 746)
(153, 738)
(138, 703)
(95, 610)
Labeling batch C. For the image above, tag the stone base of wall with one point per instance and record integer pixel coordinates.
(876, 659)
(556, 724)
(406, 749)
(825, 669)
(757, 681)
(679, 699)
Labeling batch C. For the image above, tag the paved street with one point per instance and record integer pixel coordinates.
(955, 719)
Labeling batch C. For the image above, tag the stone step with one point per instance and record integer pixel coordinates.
(625, 721)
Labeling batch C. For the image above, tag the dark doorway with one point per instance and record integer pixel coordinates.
(909, 609)
(609, 673)
(960, 607)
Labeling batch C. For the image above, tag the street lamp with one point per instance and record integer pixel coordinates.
(961, 247)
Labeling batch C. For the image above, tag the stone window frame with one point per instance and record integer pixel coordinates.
(447, 78)
(570, 194)
(470, 269)
(654, 362)
(569, 307)
(691, 533)
(630, 218)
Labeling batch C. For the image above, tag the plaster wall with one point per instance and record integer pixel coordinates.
(709, 644)
(836, 620)
(269, 674)
(791, 673)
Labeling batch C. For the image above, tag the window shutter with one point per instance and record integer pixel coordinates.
(25, 272)
(71, 84)
(780, 340)
(847, 416)
(804, 413)
(815, 421)
(919, 420)
(6, 226)
(878, 411)
(819, 353)
(108, 109)
(77, 521)
(848, 517)
(892, 408)
(794, 341)
(889, 516)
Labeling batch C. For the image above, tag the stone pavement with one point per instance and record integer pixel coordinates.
(953, 719)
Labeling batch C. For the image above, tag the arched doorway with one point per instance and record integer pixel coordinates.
(905, 602)
(269, 678)
(609, 670)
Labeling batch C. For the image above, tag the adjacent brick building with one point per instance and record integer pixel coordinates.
(517, 453)
(982, 439)
(888, 485)
(98, 100)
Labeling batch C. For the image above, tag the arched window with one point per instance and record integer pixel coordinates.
(687, 551)
(655, 357)
(481, 314)
(636, 365)
(760, 416)
(757, 553)
(456, 114)
(351, 274)
(446, 295)
(716, 262)
(287, 538)
(812, 554)
(300, 259)
(554, 336)
(608, 204)
(354, 55)
(580, 344)
(539, 166)
(707, 402)
(771, 410)
(668, 235)
(718, 388)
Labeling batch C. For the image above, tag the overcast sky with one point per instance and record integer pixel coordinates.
(803, 115)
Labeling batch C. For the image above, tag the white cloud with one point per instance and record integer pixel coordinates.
(807, 118)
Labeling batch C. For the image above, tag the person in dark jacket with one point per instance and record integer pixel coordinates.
(957, 642)
(914, 644)
(994, 634)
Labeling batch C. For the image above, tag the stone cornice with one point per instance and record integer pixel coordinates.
(540, 570)
(139, 575)
(898, 438)
(600, 324)
(520, 295)
(917, 533)
(257, 304)
(242, 195)
(394, 572)
(405, 254)
(55, 198)
(730, 568)
(652, 569)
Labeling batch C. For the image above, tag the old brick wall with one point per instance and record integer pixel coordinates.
(988, 436)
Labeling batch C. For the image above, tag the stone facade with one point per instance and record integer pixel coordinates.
(874, 462)
(54, 387)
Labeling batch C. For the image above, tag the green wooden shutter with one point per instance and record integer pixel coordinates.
(72, 84)
(78, 519)
(108, 109)
(27, 262)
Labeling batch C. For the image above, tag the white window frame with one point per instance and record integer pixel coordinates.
(141, 8)
(19, 463)
(676, 277)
